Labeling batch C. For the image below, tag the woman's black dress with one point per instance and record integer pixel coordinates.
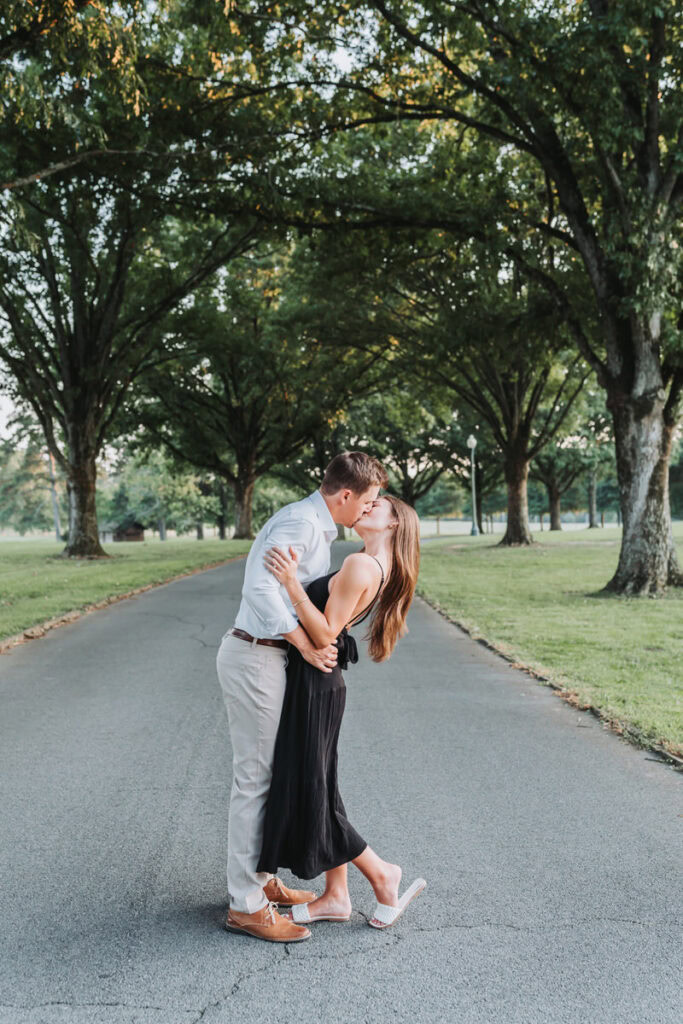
(305, 827)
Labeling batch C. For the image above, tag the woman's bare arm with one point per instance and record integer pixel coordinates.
(356, 579)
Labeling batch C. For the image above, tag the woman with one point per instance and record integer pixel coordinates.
(305, 827)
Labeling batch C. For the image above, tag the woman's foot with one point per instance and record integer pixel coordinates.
(385, 915)
(330, 904)
(386, 887)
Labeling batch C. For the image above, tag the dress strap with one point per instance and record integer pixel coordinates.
(366, 611)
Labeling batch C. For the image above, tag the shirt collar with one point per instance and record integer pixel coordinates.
(324, 515)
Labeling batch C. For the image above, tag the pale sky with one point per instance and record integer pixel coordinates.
(6, 409)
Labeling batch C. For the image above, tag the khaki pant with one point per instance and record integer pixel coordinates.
(252, 677)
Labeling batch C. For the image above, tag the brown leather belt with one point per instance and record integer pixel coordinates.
(242, 635)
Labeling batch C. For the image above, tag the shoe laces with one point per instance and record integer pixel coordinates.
(277, 886)
(270, 909)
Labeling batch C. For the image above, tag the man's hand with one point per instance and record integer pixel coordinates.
(323, 658)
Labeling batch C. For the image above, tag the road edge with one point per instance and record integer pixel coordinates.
(623, 729)
(39, 629)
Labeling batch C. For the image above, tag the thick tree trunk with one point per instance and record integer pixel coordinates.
(244, 499)
(593, 500)
(408, 491)
(516, 477)
(647, 560)
(478, 502)
(554, 505)
(341, 533)
(222, 517)
(200, 530)
(53, 495)
(478, 495)
(84, 540)
(161, 524)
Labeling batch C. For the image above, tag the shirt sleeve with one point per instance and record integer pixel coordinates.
(262, 591)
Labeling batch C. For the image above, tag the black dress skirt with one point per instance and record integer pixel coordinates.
(305, 827)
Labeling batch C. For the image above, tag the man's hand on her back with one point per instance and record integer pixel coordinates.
(323, 658)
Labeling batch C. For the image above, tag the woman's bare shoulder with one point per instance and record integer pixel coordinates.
(359, 565)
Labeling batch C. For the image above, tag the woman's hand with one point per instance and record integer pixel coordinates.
(282, 566)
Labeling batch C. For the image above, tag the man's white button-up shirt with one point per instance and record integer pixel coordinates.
(307, 525)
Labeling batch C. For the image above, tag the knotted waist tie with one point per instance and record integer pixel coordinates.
(348, 650)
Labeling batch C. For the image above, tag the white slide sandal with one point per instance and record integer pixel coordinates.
(384, 915)
(301, 915)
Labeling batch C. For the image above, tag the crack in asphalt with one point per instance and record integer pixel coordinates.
(245, 976)
(203, 642)
(217, 1003)
(396, 938)
(84, 1006)
(392, 941)
(185, 622)
(241, 978)
(551, 924)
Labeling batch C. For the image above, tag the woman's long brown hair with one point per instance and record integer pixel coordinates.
(389, 619)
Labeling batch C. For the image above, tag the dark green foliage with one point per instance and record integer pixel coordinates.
(445, 498)
(26, 502)
(258, 381)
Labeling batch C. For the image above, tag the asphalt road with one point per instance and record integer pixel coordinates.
(552, 849)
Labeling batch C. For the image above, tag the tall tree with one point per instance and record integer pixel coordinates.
(259, 381)
(471, 324)
(95, 255)
(152, 490)
(416, 437)
(588, 95)
(575, 451)
(81, 313)
(557, 468)
(81, 39)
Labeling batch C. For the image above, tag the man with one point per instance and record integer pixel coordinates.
(251, 669)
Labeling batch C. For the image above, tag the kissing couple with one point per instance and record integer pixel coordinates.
(280, 670)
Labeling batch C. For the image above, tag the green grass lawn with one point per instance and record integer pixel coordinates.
(539, 605)
(35, 584)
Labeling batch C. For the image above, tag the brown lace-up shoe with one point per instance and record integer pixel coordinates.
(276, 892)
(266, 924)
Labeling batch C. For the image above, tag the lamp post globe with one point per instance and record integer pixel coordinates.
(472, 444)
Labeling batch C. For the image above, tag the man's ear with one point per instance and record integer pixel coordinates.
(346, 494)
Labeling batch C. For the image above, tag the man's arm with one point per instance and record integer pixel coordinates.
(262, 592)
(323, 658)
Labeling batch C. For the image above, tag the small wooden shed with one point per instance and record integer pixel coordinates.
(130, 530)
(127, 529)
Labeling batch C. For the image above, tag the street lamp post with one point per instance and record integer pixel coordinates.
(472, 444)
